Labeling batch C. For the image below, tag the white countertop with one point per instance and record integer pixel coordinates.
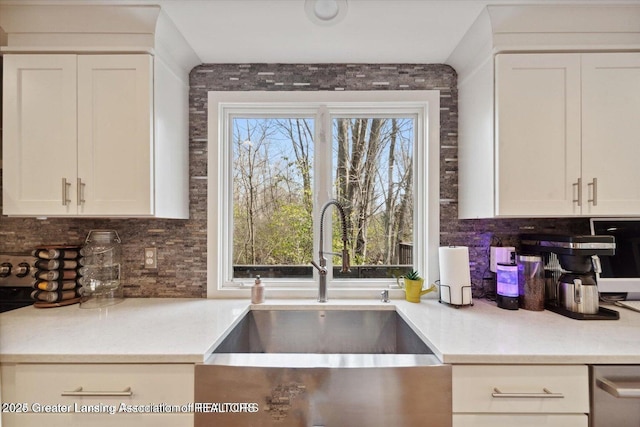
(163, 330)
(155, 330)
(484, 333)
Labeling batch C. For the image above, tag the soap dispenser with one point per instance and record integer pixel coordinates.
(257, 292)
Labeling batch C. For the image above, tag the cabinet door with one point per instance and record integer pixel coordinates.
(611, 133)
(520, 420)
(39, 134)
(537, 134)
(115, 135)
(98, 420)
(115, 394)
(520, 389)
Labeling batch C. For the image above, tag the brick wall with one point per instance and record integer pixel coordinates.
(182, 243)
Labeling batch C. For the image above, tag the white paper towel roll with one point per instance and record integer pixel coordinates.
(455, 273)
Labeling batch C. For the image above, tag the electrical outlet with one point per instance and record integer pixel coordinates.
(150, 258)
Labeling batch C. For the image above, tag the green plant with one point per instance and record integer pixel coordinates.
(413, 275)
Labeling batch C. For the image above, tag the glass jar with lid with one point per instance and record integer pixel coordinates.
(101, 269)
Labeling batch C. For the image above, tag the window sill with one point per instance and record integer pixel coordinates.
(310, 293)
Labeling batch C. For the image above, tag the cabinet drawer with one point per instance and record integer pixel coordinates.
(97, 420)
(528, 420)
(46, 384)
(521, 388)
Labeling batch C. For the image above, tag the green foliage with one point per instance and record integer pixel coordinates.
(283, 236)
(289, 235)
(273, 189)
(413, 275)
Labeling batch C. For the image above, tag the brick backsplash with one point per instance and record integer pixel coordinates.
(182, 244)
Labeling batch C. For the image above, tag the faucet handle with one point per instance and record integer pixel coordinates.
(346, 264)
(322, 270)
(346, 261)
(333, 254)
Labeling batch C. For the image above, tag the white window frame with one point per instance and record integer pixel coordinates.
(425, 105)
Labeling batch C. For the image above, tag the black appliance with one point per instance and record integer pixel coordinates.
(571, 267)
(16, 281)
(620, 274)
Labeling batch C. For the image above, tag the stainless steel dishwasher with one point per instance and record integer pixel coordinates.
(615, 396)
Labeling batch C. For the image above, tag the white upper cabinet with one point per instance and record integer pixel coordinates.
(611, 133)
(537, 134)
(115, 135)
(78, 135)
(39, 134)
(566, 134)
(548, 112)
(95, 112)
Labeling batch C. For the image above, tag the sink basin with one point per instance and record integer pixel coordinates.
(324, 367)
(323, 332)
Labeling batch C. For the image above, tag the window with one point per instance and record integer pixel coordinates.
(372, 177)
(272, 187)
(276, 158)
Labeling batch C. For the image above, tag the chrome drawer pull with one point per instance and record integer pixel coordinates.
(618, 390)
(65, 192)
(579, 186)
(594, 191)
(80, 190)
(80, 392)
(546, 394)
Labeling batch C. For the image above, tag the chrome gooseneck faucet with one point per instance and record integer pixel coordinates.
(322, 262)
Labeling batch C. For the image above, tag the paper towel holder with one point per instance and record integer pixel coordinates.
(455, 279)
(446, 290)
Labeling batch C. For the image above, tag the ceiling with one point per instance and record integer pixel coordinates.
(371, 31)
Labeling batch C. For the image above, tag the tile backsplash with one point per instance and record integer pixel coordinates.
(182, 244)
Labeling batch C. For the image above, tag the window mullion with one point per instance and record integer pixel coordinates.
(226, 190)
(322, 183)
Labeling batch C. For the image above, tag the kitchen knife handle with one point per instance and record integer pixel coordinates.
(594, 191)
(84, 393)
(546, 394)
(579, 185)
(65, 192)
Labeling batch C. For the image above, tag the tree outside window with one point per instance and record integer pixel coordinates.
(371, 160)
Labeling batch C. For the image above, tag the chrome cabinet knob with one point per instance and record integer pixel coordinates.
(23, 269)
(5, 269)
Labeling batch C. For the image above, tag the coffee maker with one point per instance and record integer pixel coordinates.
(571, 267)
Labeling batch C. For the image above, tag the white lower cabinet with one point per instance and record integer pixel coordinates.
(523, 395)
(97, 394)
(97, 420)
(519, 420)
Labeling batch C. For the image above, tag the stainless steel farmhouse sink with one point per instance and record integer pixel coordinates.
(325, 367)
(323, 331)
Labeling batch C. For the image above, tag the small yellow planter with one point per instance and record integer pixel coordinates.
(413, 288)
